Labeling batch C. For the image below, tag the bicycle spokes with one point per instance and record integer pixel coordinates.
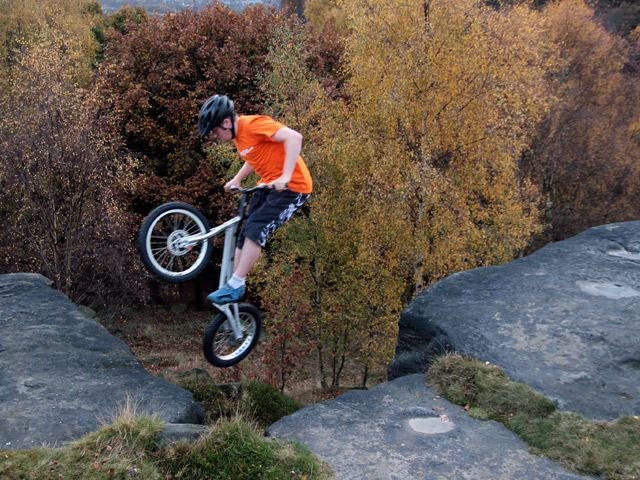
(167, 242)
(225, 344)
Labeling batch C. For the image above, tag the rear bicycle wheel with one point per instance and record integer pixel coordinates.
(162, 249)
(220, 346)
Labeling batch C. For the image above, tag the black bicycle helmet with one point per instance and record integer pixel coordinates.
(213, 113)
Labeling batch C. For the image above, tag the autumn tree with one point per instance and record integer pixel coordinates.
(322, 12)
(451, 93)
(121, 21)
(157, 74)
(286, 304)
(324, 32)
(62, 178)
(293, 6)
(321, 253)
(23, 20)
(584, 158)
(634, 60)
(416, 173)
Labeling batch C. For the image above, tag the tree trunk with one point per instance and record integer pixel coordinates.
(323, 375)
(365, 376)
(283, 377)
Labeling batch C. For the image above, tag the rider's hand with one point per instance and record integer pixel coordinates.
(279, 184)
(231, 184)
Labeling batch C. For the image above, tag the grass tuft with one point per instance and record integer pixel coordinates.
(118, 450)
(235, 450)
(217, 404)
(265, 404)
(127, 431)
(607, 449)
(257, 401)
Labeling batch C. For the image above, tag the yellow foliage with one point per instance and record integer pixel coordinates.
(22, 21)
(320, 12)
(415, 176)
(352, 287)
(450, 92)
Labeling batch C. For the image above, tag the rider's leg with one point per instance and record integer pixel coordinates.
(235, 281)
(260, 224)
(236, 258)
(247, 259)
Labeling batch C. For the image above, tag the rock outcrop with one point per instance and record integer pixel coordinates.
(61, 373)
(565, 320)
(402, 430)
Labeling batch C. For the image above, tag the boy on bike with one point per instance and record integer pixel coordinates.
(273, 152)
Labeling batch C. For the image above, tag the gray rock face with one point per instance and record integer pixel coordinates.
(402, 430)
(61, 373)
(565, 320)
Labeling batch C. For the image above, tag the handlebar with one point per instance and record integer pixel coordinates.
(262, 186)
(248, 190)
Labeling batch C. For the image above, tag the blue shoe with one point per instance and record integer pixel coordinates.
(227, 294)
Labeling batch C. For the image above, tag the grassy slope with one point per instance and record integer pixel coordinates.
(608, 449)
(232, 449)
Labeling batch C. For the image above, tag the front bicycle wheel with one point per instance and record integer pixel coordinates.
(161, 246)
(220, 346)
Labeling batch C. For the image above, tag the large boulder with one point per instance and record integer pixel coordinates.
(565, 320)
(61, 373)
(403, 430)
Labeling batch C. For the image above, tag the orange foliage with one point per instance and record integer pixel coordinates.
(585, 159)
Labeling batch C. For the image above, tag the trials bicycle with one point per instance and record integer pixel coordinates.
(175, 244)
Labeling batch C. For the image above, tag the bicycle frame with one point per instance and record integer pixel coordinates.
(230, 229)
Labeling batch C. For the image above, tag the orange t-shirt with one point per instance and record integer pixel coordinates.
(266, 156)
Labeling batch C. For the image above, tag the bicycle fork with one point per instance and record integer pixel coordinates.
(231, 311)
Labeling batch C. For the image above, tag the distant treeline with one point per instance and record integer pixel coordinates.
(166, 6)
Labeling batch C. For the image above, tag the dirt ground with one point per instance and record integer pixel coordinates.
(168, 342)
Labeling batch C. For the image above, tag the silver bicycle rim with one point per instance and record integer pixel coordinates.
(158, 250)
(224, 339)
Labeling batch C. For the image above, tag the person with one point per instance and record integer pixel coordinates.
(273, 151)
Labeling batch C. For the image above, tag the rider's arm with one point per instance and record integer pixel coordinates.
(292, 146)
(241, 175)
(243, 172)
